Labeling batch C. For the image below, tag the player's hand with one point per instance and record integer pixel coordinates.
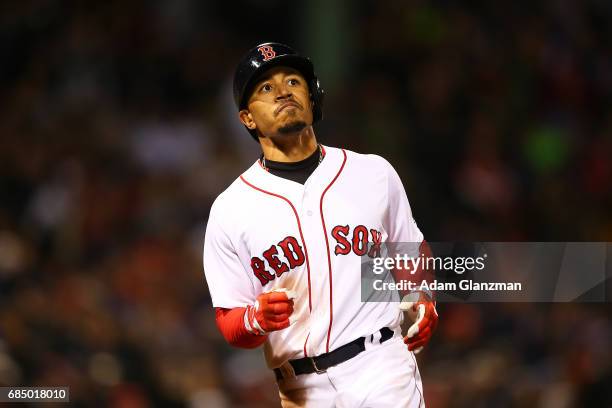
(270, 312)
(423, 311)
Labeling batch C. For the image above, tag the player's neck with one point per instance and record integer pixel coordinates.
(288, 149)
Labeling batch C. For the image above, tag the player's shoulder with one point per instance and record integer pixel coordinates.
(365, 160)
(222, 205)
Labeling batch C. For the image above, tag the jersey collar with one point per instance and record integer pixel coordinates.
(322, 175)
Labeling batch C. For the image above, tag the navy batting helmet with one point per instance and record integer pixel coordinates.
(268, 55)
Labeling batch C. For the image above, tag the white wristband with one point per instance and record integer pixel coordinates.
(247, 325)
(255, 328)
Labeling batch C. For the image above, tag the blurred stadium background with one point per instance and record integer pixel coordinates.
(117, 131)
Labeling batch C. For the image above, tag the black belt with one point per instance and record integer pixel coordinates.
(321, 363)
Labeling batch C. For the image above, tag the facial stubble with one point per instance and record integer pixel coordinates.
(292, 127)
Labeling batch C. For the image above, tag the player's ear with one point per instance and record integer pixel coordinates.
(247, 119)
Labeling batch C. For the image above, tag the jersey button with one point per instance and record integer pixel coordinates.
(309, 213)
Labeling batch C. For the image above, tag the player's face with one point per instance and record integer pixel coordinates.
(279, 104)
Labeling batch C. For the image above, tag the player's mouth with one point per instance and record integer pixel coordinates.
(287, 105)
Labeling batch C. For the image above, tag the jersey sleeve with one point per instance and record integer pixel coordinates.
(228, 282)
(404, 235)
(399, 222)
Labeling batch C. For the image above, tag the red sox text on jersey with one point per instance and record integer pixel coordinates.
(294, 254)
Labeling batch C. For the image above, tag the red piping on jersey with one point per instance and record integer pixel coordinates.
(299, 228)
(331, 306)
(306, 341)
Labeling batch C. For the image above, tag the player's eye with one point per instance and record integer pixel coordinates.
(293, 81)
(266, 88)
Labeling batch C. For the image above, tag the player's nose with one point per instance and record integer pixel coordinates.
(283, 93)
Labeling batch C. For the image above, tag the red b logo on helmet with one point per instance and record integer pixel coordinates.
(267, 52)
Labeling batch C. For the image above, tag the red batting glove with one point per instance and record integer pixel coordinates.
(270, 312)
(425, 323)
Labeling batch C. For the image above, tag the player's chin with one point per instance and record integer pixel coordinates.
(291, 127)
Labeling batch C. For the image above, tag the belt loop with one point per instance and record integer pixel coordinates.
(314, 365)
(376, 337)
(371, 340)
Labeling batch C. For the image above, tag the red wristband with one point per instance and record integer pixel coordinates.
(231, 324)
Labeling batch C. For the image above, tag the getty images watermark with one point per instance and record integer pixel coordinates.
(490, 271)
(428, 264)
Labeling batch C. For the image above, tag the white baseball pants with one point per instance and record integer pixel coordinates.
(384, 375)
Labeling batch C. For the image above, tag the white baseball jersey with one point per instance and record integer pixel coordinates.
(265, 232)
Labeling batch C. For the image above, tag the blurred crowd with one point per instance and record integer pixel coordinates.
(118, 130)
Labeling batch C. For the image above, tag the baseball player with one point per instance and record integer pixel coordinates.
(284, 244)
